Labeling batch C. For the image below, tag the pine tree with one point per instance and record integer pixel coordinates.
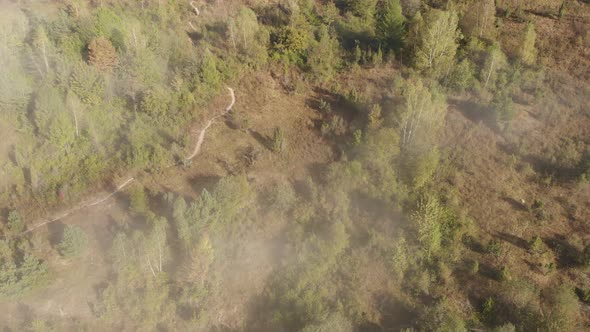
(391, 25)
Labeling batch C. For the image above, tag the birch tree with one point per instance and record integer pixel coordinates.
(422, 114)
(436, 42)
(494, 63)
(41, 48)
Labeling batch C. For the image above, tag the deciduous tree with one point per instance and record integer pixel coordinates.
(436, 42)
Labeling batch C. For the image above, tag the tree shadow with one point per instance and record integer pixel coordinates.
(394, 315)
(547, 167)
(263, 140)
(202, 182)
(488, 271)
(515, 204)
(472, 244)
(474, 112)
(567, 254)
(56, 231)
(512, 239)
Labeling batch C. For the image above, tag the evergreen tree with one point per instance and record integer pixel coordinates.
(323, 57)
(390, 26)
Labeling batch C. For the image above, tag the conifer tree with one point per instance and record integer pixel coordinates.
(391, 24)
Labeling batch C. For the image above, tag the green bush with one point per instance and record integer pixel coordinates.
(278, 140)
(73, 243)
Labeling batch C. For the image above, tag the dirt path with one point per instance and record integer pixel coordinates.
(209, 123)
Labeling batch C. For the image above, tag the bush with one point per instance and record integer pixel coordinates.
(15, 223)
(536, 245)
(494, 248)
(73, 242)
(278, 140)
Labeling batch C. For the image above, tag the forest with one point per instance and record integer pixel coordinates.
(295, 165)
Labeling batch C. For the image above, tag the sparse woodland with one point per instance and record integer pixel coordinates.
(389, 165)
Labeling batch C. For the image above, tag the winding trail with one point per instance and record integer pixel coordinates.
(209, 123)
(66, 213)
(130, 180)
(192, 3)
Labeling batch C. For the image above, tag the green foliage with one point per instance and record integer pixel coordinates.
(73, 242)
(290, 42)
(19, 276)
(536, 245)
(87, 84)
(422, 114)
(139, 201)
(427, 219)
(419, 166)
(562, 9)
(278, 140)
(232, 196)
(442, 318)
(563, 309)
(436, 42)
(494, 248)
(479, 19)
(210, 74)
(462, 76)
(374, 118)
(280, 197)
(474, 268)
(503, 108)
(528, 52)
(323, 58)
(504, 274)
(248, 36)
(487, 311)
(156, 103)
(390, 25)
(364, 9)
(400, 260)
(179, 211)
(494, 64)
(15, 223)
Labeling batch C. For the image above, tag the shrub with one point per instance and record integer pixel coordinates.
(504, 274)
(494, 248)
(15, 223)
(474, 267)
(536, 245)
(73, 242)
(278, 140)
